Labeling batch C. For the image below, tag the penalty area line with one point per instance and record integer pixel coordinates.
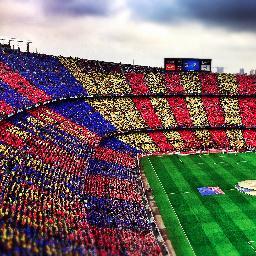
(250, 243)
(172, 207)
(172, 193)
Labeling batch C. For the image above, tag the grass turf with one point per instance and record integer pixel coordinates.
(205, 225)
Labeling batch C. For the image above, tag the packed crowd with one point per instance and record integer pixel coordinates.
(37, 78)
(45, 73)
(57, 197)
(247, 108)
(69, 180)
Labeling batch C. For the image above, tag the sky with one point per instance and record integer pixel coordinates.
(145, 31)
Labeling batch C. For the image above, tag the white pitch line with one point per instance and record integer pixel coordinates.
(250, 243)
(179, 193)
(253, 248)
(172, 207)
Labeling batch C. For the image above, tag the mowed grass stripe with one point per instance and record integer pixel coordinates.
(224, 178)
(193, 223)
(250, 163)
(228, 174)
(236, 214)
(177, 169)
(249, 217)
(175, 233)
(167, 179)
(233, 168)
(247, 170)
(225, 216)
(247, 166)
(247, 202)
(199, 237)
(173, 171)
(250, 158)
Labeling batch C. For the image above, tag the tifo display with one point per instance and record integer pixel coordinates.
(71, 134)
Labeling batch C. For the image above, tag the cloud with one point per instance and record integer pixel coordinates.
(231, 14)
(78, 7)
(18, 12)
(118, 32)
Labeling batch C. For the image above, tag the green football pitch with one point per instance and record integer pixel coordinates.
(222, 224)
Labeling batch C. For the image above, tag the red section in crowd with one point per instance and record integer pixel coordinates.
(209, 83)
(250, 137)
(148, 113)
(173, 84)
(100, 186)
(8, 137)
(214, 111)
(137, 83)
(246, 85)
(248, 111)
(220, 138)
(161, 141)
(179, 108)
(19, 83)
(113, 156)
(145, 242)
(5, 109)
(189, 139)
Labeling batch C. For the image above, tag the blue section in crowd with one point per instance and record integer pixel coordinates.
(12, 97)
(99, 167)
(83, 114)
(115, 144)
(126, 215)
(45, 72)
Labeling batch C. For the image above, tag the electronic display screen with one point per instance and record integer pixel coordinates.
(206, 67)
(191, 65)
(187, 64)
(170, 67)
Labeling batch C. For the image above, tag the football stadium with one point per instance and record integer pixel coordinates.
(113, 159)
(120, 132)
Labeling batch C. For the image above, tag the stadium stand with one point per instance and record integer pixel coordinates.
(71, 131)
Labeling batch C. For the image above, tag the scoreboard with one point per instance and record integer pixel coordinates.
(187, 64)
